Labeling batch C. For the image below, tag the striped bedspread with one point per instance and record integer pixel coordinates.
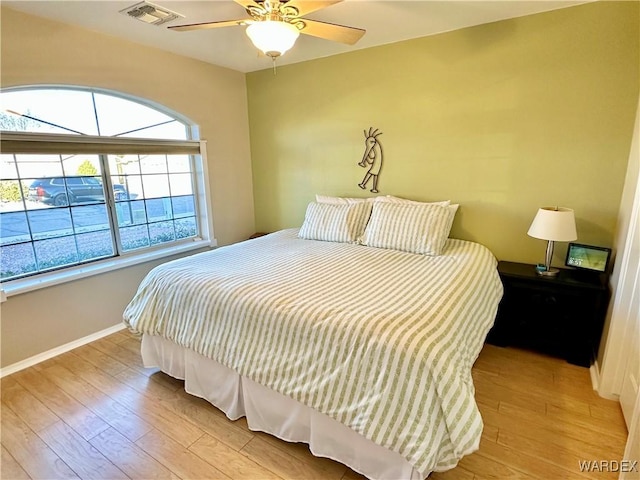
(380, 340)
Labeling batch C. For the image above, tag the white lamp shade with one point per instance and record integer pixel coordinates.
(554, 223)
(273, 37)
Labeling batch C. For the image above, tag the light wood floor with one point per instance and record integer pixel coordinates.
(96, 412)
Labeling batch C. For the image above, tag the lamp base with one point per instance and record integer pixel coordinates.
(552, 272)
(547, 270)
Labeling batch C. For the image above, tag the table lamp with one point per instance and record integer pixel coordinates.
(554, 224)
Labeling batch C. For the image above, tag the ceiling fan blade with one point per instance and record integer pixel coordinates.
(205, 25)
(307, 6)
(330, 31)
(247, 3)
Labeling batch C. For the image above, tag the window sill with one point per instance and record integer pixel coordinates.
(24, 285)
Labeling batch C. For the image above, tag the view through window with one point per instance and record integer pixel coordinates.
(63, 209)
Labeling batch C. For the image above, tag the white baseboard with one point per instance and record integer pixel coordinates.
(41, 357)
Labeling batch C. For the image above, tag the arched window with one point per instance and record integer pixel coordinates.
(88, 175)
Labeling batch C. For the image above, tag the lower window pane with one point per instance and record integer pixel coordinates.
(129, 186)
(90, 218)
(17, 260)
(131, 213)
(14, 228)
(50, 222)
(155, 186)
(12, 194)
(180, 184)
(183, 206)
(56, 252)
(134, 237)
(161, 232)
(186, 227)
(159, 209)
(94, 245)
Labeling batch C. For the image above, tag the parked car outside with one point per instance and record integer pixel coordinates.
(80, 189)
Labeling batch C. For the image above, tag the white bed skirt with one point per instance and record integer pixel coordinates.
(271, 412)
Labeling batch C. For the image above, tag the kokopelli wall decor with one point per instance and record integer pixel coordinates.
(372, 158)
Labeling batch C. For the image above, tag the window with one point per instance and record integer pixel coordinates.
(87, 175)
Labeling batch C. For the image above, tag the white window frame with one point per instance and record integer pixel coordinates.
(12, 142)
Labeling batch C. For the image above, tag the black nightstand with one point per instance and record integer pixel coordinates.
(561, 316)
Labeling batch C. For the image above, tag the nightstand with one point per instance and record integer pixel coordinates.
(561, 316)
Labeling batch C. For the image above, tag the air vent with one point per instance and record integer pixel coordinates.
(149, 13)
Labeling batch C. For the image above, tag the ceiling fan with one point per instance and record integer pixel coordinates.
(274, 25)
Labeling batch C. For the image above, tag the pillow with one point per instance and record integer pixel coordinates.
(335, 222)
(409, 227)
(392, 199)
(341, 200)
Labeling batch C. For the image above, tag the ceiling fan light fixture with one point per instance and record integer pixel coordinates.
(273, 37)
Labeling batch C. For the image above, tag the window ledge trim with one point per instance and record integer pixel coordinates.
(45, 280)
(34, 143)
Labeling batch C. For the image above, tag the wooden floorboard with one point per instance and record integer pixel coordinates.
(95, 412)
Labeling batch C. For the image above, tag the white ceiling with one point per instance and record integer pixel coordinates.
(385, 22)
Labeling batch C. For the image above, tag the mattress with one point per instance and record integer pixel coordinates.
(378, 340)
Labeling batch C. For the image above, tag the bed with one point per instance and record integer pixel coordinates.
(362, 352)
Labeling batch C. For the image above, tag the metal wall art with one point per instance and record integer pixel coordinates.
(372, 158)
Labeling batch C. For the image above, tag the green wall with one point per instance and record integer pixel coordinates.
(502, 118)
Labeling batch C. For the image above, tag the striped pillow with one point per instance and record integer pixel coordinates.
(409, 227)
(335, 222)
(392, 199)
(329, 199)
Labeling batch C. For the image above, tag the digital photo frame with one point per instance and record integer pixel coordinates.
(588, 257)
